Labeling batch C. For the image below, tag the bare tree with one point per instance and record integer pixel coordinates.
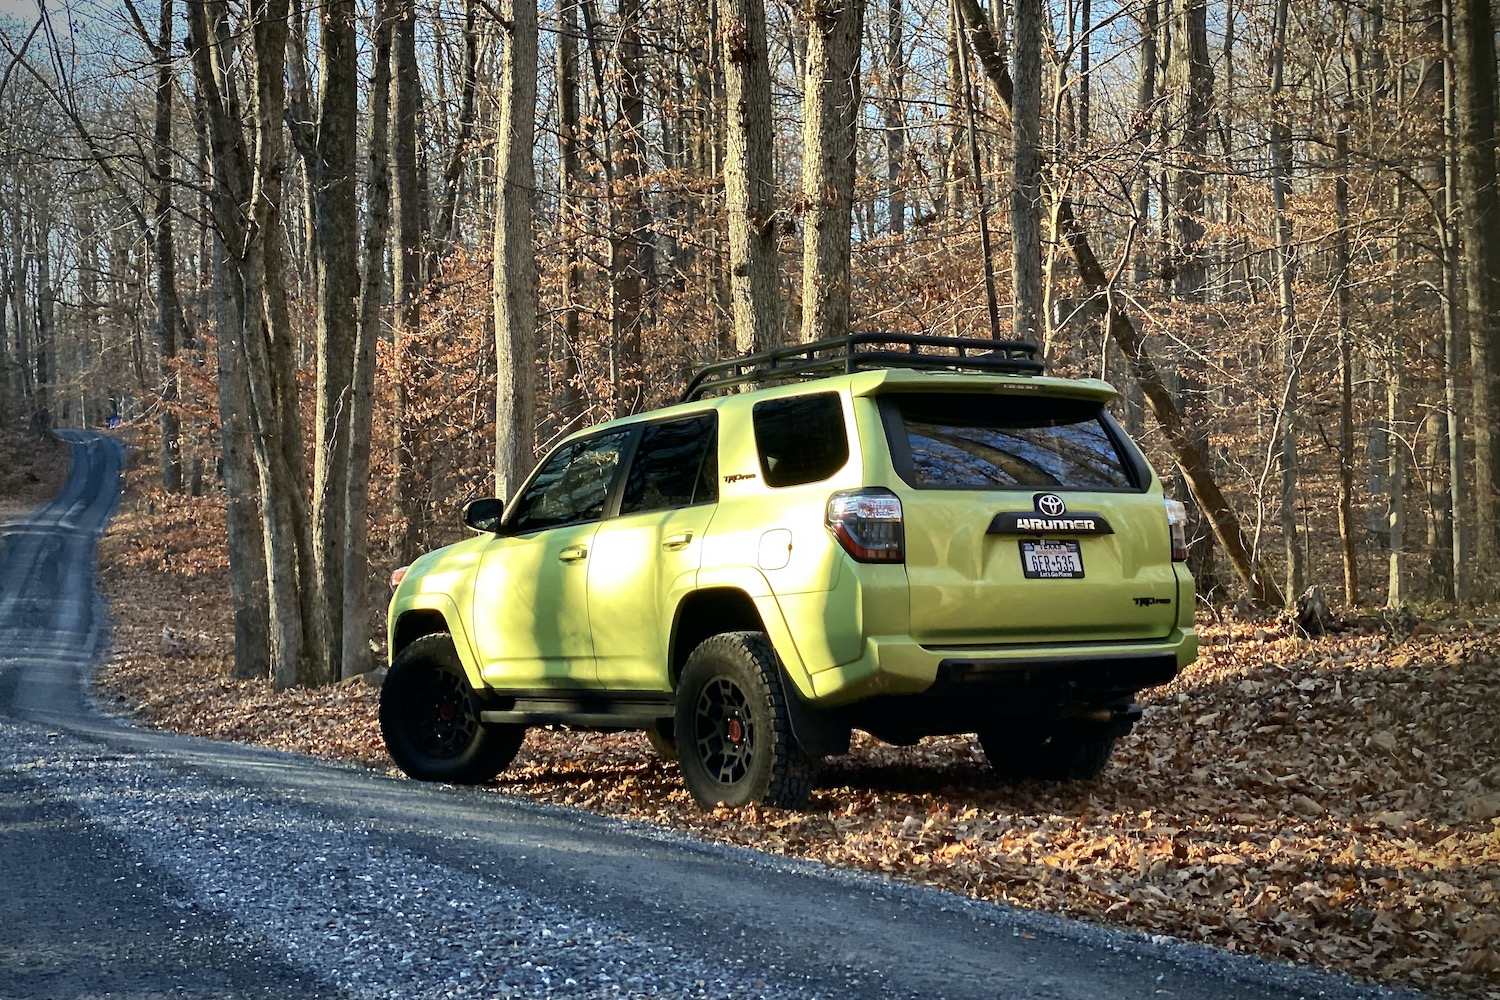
(407, 250)
(1476, 91)
(895, 115)
(515, 261)
(749, 176)
(335, 217)
(1291, 359)
(830, 107)
(356, 602)
(1027, 322)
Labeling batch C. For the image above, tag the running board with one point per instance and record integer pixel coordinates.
(594, 711)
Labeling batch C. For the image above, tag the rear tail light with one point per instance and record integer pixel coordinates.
(397, 575)
(868, 525)
(1177, 522)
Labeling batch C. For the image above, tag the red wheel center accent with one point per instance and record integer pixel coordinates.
(446, 712)
(734, 731)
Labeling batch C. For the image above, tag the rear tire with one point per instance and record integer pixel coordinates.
(1060, 756)
(734, 732)
(429, 717)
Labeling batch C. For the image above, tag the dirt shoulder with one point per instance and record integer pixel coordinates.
(1333, 802)
(32, 471)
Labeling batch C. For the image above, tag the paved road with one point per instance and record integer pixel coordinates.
(137, 864)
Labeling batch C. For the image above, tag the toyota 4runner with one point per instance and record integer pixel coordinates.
(907, 535)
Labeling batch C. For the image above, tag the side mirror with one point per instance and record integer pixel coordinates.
(484, 514)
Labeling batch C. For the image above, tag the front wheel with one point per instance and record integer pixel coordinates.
(733, 727)
(429, 717)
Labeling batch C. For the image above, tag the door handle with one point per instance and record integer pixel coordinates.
(574, 553)
(677, 541)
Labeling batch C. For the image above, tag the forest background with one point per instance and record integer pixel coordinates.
(358, 262)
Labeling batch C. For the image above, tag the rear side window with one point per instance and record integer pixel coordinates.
(998, 441)
(676, 465)
(801, 439)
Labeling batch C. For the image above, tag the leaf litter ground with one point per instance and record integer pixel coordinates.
(1333, 802)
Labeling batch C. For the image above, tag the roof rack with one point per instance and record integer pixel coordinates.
(844, 355)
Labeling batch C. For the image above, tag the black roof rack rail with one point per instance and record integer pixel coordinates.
(858, 351)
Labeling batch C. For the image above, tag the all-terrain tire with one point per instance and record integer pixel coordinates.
(733, 728)
(429, 717)
(1075, 755)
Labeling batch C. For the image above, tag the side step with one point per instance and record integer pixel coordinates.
(591, 710)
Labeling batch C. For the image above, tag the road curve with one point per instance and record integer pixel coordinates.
(140, 864)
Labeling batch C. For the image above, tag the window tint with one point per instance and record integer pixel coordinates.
(1003, 442)
(572, 486)
(669, 466)
(801, 439)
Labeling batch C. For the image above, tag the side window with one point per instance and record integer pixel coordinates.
(801, 439)
(572, 485)
(676, 465)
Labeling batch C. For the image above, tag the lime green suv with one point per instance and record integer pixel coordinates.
(907, 535)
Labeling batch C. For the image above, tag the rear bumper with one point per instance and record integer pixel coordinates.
(914, 692)
(1025, 686)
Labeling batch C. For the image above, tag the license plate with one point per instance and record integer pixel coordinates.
(1049, 560)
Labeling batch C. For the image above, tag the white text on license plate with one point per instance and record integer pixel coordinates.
(1048, 560)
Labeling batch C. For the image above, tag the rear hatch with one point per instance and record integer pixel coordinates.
(1028, 519)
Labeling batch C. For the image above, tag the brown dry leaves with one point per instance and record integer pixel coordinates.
(32, 471)
(1333, 802)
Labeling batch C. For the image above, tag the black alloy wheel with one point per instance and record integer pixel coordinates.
(429, 717)
(733, 727)
(723, 731)
(443, 718)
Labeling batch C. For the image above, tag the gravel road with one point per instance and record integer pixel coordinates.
(139, 864)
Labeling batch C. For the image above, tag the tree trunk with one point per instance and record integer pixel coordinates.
(1281, 176)
(1396, 588)
(248, 205)
(270, 354)
(570, 405)
(168, 308)
(357, 583)
(831, 104)
(1027, 318)
(956, 164)
(1191, 85)
(515, 292)
(1145, 112)
(453, 172)
(895, 116)
(1454, 347)
(749, 177)
(632, 260)
(407, 269)
(1085, 70)
(975, 170)
(46, 337)
(1347, 543)
(336, 219)
(1475, 89)
(246, 541)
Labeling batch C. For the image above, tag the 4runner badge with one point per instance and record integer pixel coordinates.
(1050, 517)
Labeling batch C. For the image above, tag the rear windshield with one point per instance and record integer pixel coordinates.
(988, 441)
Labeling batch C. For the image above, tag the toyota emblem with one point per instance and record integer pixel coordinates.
(1050, 504)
